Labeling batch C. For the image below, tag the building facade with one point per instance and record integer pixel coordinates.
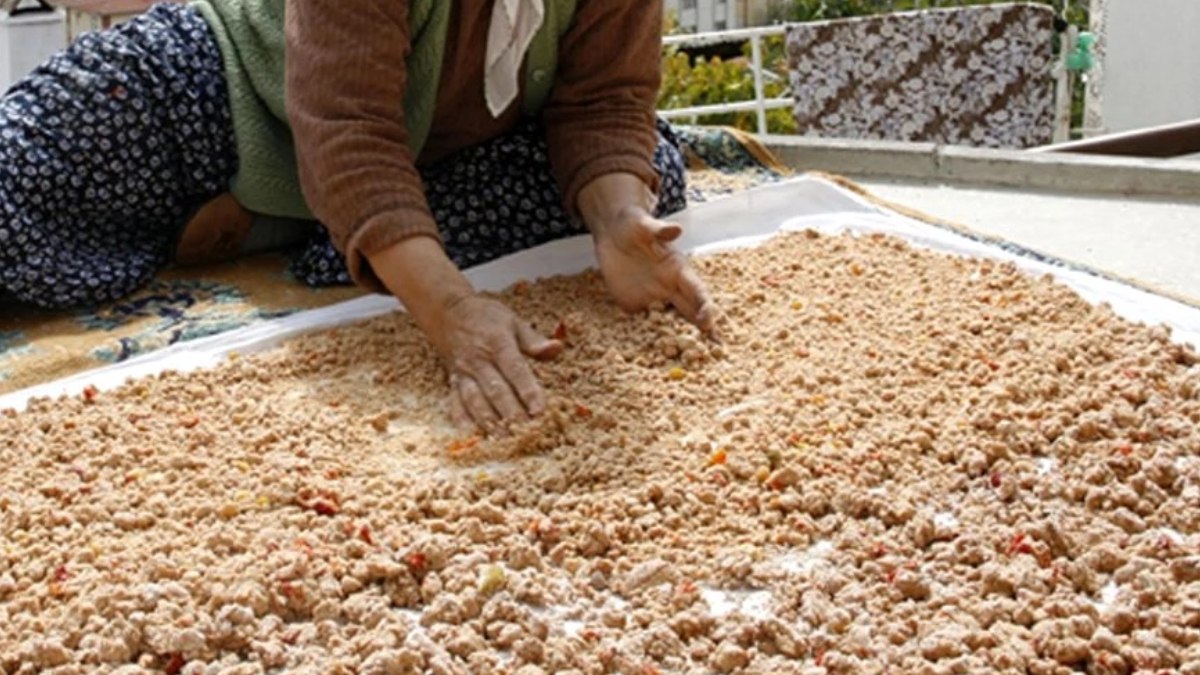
(702, 16)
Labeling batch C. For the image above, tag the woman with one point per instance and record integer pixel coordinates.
(423, 135)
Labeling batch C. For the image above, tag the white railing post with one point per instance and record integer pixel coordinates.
(760, 96)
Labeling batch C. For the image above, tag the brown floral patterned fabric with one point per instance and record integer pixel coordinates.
(979, 76)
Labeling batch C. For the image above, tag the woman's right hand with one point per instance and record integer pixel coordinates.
(483, 344)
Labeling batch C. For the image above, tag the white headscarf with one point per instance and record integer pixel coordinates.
(514, 24)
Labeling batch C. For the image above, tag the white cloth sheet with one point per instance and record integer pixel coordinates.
(741, 220)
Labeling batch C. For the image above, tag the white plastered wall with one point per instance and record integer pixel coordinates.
(1148, 67)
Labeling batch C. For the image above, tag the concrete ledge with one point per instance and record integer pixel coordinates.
(995, 168)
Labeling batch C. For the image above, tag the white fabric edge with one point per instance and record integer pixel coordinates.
(738, 221)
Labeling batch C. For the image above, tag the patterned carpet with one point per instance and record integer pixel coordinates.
(185, 304)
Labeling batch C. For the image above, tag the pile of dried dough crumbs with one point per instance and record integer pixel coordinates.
(895, 461)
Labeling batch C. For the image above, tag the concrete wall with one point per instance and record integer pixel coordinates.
(1151, 64)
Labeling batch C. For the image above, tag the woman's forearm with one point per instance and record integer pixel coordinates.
(418, 272)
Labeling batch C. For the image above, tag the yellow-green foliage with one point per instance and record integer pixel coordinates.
(688, 83)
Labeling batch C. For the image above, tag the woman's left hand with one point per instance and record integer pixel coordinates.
(641, 266)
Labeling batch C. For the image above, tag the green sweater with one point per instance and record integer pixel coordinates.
(250, 35)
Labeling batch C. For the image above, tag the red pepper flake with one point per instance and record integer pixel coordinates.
(1124, 449)
(462, 445)
(719, 457)
(879, 550)
(590, 634)
(61, 574)
(996, 479)
(364, 533)
(687, 587)
(819, 660)
(560, 331)
(417, 563)
(333, 473)
(325, 502)
(292, 592)
(175, 664)
(582, 411)
(891, 576)
(305, 547)
(1019, 545)
(189, 422)
(1165, 543)
(90, 393)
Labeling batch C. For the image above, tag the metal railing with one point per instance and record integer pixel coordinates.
(761, 104)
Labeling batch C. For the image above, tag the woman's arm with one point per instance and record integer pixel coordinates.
(600, 118)
(600, 127)
(346, 81)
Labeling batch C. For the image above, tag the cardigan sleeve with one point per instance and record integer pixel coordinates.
(345, 99)
(600, 117)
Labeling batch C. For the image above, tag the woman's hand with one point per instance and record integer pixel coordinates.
(484, 346)
(641, 267)
(482, 343)
(635, 251)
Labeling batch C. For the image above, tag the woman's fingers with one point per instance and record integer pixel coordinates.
(666, 232)
(476, 403)
(458, 412)
(533, 345)
(499, 393)
(520, 377)
(690, 298)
